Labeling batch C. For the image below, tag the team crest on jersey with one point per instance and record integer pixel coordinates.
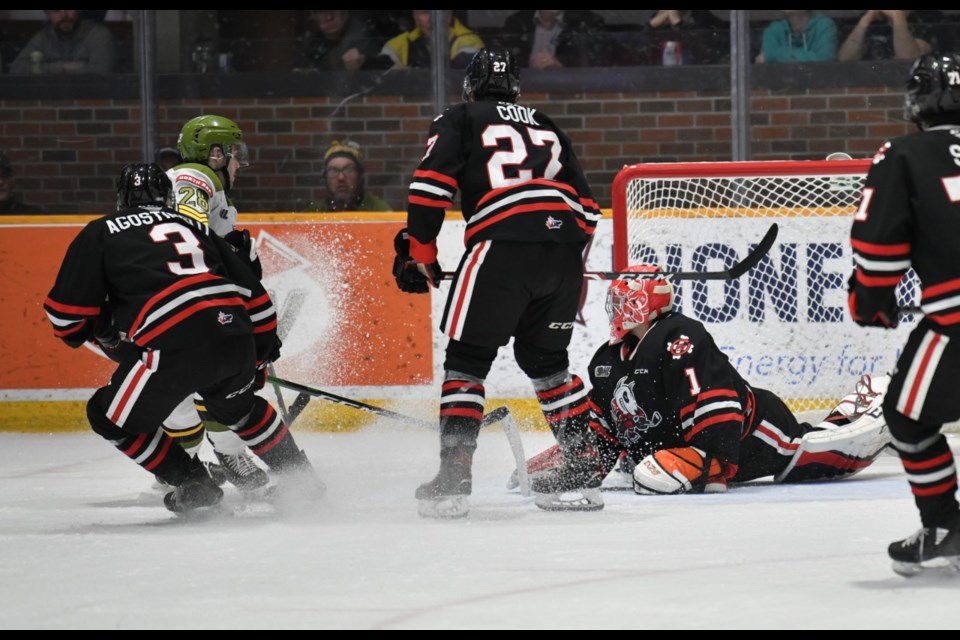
(680, 347)
(602, 371)
(224, 318)
(631, 420)
(553, 223)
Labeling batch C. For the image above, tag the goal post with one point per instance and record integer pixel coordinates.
(784, 324)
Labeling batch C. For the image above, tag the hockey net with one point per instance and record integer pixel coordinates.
(784, 324)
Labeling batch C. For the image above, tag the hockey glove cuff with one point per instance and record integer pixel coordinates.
(411, 276)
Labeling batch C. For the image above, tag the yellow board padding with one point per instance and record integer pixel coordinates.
(60, 416)
(63, 416)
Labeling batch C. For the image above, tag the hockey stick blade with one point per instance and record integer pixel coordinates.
(494, 416)
(734, 272)
(299, 404)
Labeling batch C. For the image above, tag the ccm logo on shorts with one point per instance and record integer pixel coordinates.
(560, 325)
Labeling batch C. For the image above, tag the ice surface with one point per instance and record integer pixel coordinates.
(85, 543)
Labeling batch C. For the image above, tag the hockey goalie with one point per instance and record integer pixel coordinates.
(667, 398)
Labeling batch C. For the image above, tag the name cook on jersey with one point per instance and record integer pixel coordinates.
(143, 219)
(516, 113)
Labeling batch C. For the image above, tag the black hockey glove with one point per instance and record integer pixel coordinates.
(107, 337)
(245, 247)
(273, 354)
(411, 276)
(242, 243)
(888, 317)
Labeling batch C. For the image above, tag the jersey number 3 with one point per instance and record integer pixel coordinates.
(186, 244)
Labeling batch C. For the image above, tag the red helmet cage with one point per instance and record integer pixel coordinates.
(633, 302)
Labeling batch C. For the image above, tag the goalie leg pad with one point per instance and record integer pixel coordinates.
(839, 452)
(680, 470)
(549, 458)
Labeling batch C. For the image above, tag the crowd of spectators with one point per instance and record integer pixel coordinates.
(75, 41)
(553, 39)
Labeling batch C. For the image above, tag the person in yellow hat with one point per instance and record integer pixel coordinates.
(344, 179)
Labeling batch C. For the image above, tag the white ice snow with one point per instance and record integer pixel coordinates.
(86, 544)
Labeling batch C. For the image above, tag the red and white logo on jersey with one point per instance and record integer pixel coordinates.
(679, 347)
(628, 416)
(881, 153)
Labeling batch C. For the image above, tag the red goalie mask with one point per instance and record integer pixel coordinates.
(633, 302)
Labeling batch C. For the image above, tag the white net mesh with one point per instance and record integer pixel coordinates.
(784, 324)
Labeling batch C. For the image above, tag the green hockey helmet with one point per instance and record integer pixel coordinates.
(203, 133)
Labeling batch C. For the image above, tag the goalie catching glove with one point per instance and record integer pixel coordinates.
(412, 275)
(680, 470)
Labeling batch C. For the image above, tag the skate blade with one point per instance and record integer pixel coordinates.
(203, 514)
(447, 507)
(945, 565)
(579, 500)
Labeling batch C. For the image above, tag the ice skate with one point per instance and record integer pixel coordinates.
(568, 488)
(446, 495)
(198, 493)
(240, 470)
(928, 548)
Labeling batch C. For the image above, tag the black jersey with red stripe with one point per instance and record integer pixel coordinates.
(909, 216)
(517, 174)
(167, 281)
(672, 388)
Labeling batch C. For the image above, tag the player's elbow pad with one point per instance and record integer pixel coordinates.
(680, 470)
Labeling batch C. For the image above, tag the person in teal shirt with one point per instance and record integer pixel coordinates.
(802, 36)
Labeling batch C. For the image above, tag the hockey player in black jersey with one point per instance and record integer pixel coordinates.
(667, 396)
(529, 212)
(181, 313)
(909, 216)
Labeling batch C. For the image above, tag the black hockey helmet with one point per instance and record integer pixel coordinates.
(933, 90)
(493, 74)
(142, 185)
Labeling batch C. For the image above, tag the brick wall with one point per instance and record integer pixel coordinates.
(67, 152)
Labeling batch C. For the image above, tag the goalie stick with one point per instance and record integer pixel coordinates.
(734, 272)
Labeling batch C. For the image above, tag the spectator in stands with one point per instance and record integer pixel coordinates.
(68, 44)
(342, 42)
(703, 37)
(551, 39)
(345, 183)
(167, 158)
(803, 35)
(411, 49)
(9, 205)
(883, 34)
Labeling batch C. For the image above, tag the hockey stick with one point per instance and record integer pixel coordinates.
(494, 416)
(497, 415)
(520, 458)
(734, 272)
(281, 404)
(286, 317)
